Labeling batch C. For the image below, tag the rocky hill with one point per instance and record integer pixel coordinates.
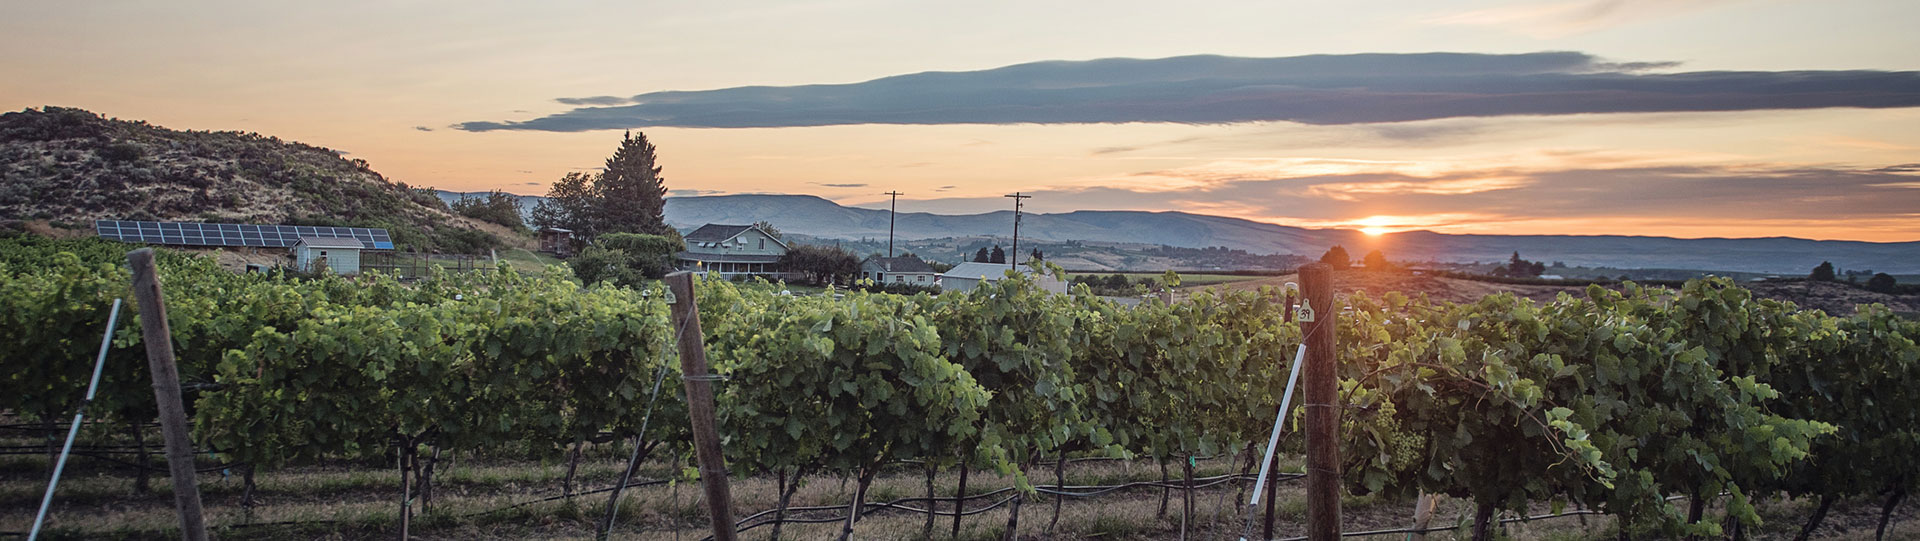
(64, 168)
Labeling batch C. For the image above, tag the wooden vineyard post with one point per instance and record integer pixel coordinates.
(1319, 377)
(166, 393)
(699, 385)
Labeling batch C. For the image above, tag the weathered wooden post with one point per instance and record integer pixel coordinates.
(1320, 377)
(699, 385)
(166, 393)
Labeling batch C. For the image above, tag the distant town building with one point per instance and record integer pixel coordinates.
(556, 241)
(898, 270)
(340, 255)
(1552, 277)
(731, 250)
(965, 276)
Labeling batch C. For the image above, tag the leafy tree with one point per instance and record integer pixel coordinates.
(997, 255)
(569, 205)
(1377, 261)
(598, 264)
(768, 228)
(1036, 255)
(821, 264)
(648, 255)
(632, 196)
(1822, 273)
(1337, 256)
(980, 256)
(1881, 283)
(1521, 268)
(496, 206)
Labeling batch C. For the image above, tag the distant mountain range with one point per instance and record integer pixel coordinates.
(819, 217)
(67, 167)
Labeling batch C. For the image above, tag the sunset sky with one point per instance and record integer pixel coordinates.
(1688, 118)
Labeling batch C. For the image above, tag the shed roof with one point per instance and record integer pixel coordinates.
(991, 271)
(330, 242)
(908, 264)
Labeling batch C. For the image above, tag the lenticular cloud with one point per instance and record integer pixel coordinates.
(1319, 89)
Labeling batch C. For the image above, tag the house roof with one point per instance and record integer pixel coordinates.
(991, 271)
(724, 233)
(330, 242)
(907, 264)
(716, 233)
(727, 258)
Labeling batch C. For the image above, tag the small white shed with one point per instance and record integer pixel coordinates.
(341, 255)
(965, 276)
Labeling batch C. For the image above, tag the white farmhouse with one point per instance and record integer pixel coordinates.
(731, 250)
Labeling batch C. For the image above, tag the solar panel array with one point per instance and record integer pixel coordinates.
(201, 234)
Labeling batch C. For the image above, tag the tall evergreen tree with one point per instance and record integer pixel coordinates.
(980, 256)
(997, 255)
(633, 196)
(1037, 255)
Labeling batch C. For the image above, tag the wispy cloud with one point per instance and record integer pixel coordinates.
(422, 128)
(1558, 19)
(838, 185)
(595, 100)
(1319, 89)
(693, 192)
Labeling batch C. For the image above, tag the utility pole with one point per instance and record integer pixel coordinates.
(1016, 227)
(890, 210)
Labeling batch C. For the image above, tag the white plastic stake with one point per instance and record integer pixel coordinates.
(46, 501)
(1273, 440)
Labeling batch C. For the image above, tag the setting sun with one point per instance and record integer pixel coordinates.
(1374, 231)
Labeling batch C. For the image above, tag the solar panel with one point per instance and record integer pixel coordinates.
(204, 234)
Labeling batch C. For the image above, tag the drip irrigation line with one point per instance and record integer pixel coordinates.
(561, 497)
(1069, 491)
